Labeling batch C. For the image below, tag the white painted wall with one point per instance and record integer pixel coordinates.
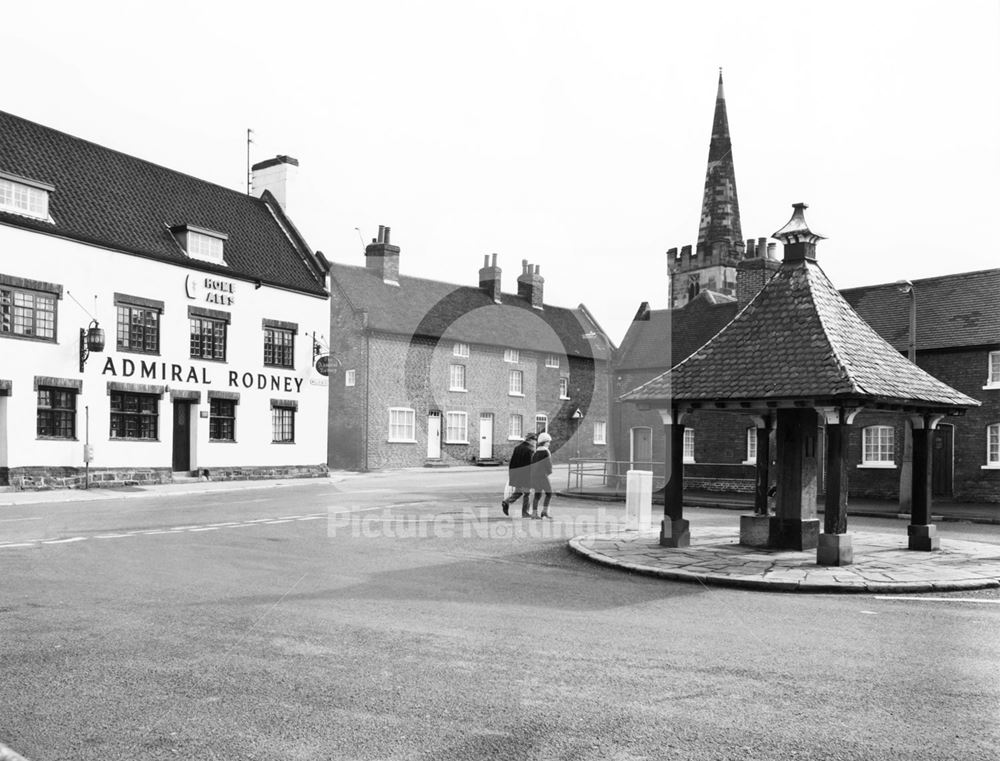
(85, 271)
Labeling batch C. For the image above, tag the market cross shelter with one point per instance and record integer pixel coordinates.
(795, 352)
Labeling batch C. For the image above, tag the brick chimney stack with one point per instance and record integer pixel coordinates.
(489, 278)
(753, 272)
(277, 175)
(529, 284)
(382, 258)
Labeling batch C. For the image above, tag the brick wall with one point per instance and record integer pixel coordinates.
(967, 372)
(346, 429)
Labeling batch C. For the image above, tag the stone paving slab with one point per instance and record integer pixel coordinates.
(882, 562)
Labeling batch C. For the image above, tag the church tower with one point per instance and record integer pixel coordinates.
(720, 248)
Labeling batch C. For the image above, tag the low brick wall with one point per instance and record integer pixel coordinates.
(38, 478)
(41, 478)
(730, 485)
(260, 472)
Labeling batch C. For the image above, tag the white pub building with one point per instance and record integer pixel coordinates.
(152, 325)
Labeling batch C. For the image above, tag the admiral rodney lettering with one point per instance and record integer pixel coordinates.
(163, 371)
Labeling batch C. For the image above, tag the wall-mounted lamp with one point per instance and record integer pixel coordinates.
(91, 339)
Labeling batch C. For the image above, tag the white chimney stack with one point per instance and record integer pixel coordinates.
(277, 175)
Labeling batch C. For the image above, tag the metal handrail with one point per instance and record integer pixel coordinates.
(596, 476)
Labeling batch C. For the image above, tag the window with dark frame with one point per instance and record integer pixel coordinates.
(138, 329)
(208, 338)
(283, 425)
(222, 420)
(134, 416)
(56, 413)
(279, 347)
(27, 313)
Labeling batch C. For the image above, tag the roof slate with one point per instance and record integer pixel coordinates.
(669, 336)
(953, 311)
(798, 339)
(463, 313)
(111, 199)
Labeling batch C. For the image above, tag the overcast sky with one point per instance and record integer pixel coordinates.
(571, 134)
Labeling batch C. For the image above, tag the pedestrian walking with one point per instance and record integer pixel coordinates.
(541, 469)
(519, 475)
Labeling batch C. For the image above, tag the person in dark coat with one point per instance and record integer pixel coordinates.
(520, 474)
(541, 469)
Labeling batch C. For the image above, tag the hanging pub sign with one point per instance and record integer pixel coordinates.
(322, 364)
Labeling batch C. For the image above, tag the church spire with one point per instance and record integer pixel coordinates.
(720, 233)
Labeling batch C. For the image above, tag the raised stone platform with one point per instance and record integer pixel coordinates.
(882, 562)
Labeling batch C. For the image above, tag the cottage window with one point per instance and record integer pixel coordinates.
(877, 450)
(138, 324)
(205, 247)
(993, 379)
(688, 453)
(134, 416)
(402, 425)
(279, 347)
(456, 430)
(27, 314)
(515, 428)
(511, 355)
(350, 377)
(751, 447)
(541, 423)
(515, 383)
(564, 388)
(600, 432)
(56, 413)
(222, 420)
(552, 361)
(993, 446)
(20, 196)
(456, 378)
(283, 421)
(208, 338)
(460, 350)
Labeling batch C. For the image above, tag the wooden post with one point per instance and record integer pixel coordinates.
(921, 532)
(796, 527)
(765, 424)
(674, 530)
(834, 545)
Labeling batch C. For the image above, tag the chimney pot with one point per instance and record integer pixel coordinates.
(494, 260)
(751, 248)
(381, 233)
(538, 269)
(386, 236)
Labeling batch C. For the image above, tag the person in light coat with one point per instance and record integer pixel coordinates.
(541, 469)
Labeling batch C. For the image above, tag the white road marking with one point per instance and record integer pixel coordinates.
(937, 599)
(204, 528)
(111, 536)
(64, 541)
(19, 544)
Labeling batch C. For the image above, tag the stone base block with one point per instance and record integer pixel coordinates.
(923, 537)
(834, 549)
(794, 533)
(675, 533)
(755, 530)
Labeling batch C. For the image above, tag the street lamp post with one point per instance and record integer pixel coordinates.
(906, 467)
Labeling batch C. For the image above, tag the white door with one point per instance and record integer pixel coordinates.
(641, 455)
(485, 436)
(434, 436)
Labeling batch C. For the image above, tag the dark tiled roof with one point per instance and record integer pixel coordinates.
(668, 336)
(463, 313)
(798, 339)
(952, 310)
(124, 203)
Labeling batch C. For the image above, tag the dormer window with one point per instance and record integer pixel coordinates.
(201, 243)
(26, 197)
